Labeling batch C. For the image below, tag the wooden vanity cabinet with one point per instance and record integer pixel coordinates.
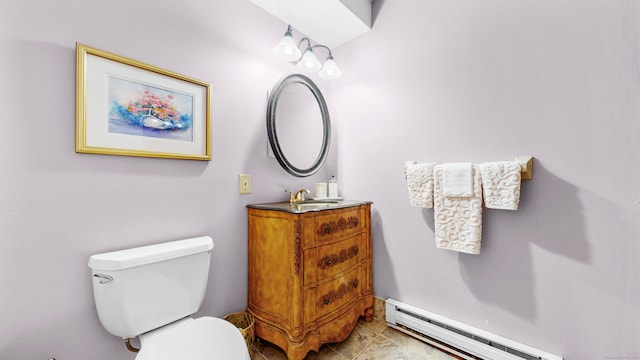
(310, 273)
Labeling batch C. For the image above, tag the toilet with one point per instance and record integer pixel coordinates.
(152, 291)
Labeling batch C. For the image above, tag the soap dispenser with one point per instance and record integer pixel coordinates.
(333, 187)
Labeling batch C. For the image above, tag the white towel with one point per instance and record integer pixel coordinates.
(420, 184)
(458, 220)
(501, 184)
(457, 179)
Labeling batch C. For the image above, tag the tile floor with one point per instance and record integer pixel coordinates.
(369, 341)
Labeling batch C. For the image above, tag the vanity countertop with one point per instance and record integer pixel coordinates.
(307, 207)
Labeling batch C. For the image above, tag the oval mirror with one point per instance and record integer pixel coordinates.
(298, 125)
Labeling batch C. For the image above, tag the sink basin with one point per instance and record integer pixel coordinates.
(317, 201)
(307, 204)
(314, 204)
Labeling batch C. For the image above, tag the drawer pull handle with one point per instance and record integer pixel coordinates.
(338, 258)
(346, 289)
(328, 262)
(336, 226)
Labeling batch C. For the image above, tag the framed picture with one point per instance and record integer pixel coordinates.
(125, 107)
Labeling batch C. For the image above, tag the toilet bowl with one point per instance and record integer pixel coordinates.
(152, 291)
(202, 338)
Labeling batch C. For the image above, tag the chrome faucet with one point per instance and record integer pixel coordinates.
(298, 197)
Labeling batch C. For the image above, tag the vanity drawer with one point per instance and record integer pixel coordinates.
(329, 260)
(335, 225)
(338, 329)
(333, 294)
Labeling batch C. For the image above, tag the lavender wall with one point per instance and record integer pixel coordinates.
(58, 207)
(438, 81)
(478, 81)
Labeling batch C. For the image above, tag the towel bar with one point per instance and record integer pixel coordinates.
(526, 166)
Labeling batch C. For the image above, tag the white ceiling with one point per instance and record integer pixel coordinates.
(326, 22)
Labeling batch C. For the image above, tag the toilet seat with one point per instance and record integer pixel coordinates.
(204, 338)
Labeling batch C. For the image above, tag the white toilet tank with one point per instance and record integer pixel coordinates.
(140, 289)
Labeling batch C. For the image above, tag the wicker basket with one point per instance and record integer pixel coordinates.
(244, 322)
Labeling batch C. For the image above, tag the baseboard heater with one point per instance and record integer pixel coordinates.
(457, 338)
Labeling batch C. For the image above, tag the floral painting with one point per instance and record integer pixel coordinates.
(144, 110)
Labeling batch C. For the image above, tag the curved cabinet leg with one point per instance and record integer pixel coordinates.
(368, 314)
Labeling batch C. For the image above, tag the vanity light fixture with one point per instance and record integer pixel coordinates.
(288, 51)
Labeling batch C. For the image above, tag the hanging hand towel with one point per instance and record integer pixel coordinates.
(457, 179)
(501, 184)
(458, 220)
(420, 184)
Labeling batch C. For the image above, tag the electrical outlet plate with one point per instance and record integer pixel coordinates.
(244, 183)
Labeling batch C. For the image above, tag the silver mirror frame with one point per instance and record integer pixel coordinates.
(271, 125)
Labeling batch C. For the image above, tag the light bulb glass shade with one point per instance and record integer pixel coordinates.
(309, 62)
(287, 49)
(330, 70)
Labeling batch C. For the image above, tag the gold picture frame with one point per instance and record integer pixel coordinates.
(126, 107)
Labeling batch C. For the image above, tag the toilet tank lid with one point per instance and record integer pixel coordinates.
(123, 259)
